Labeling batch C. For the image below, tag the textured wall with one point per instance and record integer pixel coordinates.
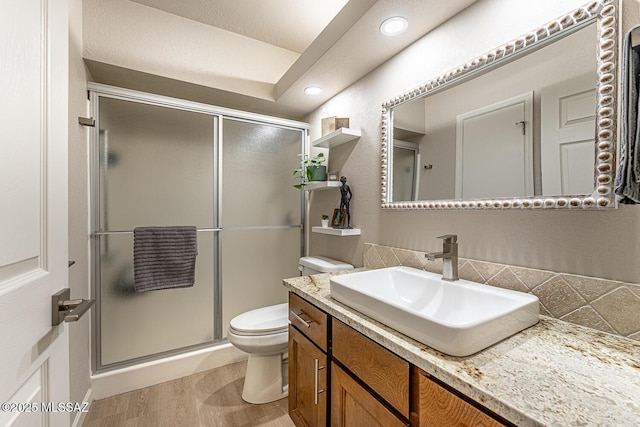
(603, 244)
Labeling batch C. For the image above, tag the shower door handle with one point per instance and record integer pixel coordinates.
(65, 309)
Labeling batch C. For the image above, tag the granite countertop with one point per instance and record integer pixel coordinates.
(551, 374)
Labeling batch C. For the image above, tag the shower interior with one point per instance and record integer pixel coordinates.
(159, 161)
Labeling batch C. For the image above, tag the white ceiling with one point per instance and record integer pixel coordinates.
(331, 43)
(289, 24)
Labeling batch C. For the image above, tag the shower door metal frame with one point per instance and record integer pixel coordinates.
(96, 91)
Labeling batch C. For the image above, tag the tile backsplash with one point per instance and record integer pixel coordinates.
(605, 305)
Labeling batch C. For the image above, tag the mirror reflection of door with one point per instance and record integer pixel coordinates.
(494, 150)
(405, 166)
(567, 129)
(431, 119)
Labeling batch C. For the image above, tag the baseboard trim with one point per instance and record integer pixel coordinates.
(78, 420)
(146, 374)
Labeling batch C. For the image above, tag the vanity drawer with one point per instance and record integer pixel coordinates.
(435, 406)
(309, 319)
(384, 372)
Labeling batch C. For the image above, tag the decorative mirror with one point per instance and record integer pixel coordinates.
(530, 124)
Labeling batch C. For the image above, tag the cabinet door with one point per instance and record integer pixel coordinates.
(353, 406)
(307, 381)
(435, 406)
(378, 368)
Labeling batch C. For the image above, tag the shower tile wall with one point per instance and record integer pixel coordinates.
(605, 305)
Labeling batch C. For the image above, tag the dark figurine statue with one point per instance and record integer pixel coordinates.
(345, 199)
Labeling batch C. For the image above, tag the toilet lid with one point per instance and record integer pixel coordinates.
(263, 320)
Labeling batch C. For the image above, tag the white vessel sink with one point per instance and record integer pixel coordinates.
(457, 318)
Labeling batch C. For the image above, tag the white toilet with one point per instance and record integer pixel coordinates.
(263, 333)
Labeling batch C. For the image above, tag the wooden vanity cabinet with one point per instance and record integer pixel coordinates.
(341, 378)
(307, 364)
(307, 381)
(381, 370)
(432, 405)
(384, 373)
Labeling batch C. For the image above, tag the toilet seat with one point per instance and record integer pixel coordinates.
(263, 331)
(262, 321)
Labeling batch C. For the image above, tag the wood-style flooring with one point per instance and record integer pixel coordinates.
(211, 398)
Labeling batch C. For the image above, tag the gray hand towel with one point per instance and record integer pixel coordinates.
(627, 183)
(164, 257)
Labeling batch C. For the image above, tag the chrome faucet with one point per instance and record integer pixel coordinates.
(449, 257)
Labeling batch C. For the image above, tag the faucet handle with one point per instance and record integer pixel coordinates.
(449, 238)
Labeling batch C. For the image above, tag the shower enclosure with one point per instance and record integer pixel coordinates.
(159, 161)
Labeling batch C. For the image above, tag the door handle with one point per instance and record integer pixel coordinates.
(65, 309)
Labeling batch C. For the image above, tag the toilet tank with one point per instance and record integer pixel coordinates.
(319, 264)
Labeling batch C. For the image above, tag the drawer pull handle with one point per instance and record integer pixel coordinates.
(316, 391)
(306, 323)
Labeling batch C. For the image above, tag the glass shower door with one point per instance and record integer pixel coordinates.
(157, 167)
(405, 168)
(261, 214)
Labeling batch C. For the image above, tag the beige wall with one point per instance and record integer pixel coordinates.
(602, 244)
(79, 358)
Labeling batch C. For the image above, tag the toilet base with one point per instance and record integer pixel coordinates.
(265, 381)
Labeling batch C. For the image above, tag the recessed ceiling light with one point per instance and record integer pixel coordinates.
(313, 90)
(394, 26)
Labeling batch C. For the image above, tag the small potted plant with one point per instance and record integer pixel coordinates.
(311, 169)
(324, 221)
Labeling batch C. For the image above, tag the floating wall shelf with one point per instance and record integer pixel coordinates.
(337, 137)
(336, 231)
(321, 185)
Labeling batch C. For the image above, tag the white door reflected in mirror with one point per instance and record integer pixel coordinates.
(567, 128)
(494, 150)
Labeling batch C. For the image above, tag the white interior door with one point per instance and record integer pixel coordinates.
(34, 361)
(568, 136)
(494, 150)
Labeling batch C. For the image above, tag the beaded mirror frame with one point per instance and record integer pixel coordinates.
(605, 14)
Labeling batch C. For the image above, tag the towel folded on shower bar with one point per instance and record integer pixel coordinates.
(164, 257)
